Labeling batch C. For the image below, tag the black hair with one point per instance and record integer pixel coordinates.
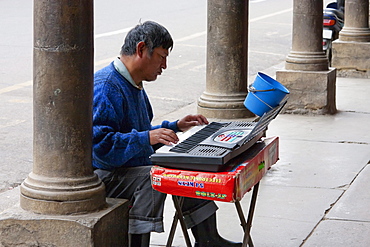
(151, 33)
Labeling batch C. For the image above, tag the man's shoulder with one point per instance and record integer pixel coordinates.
(109, 80)
(109, 69)
(108, 73)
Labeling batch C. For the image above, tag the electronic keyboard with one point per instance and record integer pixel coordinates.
(212, 147)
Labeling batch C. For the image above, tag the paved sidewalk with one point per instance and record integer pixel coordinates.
(317, 193)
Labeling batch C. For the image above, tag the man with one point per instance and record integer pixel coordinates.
(123, 138)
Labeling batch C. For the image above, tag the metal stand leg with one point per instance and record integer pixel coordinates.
(247, 240)
(177, 202)
(174, 223)
(243, 223)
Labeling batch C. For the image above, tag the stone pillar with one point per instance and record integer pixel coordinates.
(227, 60)
(307, 75)
(351, 52)
(307, 53)
(356, 21)
(62, 201)
(62, 180)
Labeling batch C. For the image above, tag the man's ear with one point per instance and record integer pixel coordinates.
(140, 48)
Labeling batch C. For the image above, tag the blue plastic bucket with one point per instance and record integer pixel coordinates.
(264, 94)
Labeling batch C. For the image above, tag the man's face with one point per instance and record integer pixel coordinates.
(154, 64)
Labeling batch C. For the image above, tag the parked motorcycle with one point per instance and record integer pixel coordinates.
(333, 21)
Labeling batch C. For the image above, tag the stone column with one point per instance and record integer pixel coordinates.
(227, 55)
(307, 53)
(356, 21)
(306, 74)
(62, 180)
(351, 52)
(62, 201)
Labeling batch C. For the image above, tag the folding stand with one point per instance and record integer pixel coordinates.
(246, 225)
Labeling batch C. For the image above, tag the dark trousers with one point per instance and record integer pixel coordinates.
(147, 204)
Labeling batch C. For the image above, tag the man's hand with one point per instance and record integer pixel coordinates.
(190, 121)
(162, 135)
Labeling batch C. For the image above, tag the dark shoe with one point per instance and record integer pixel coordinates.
(206, 235)
(223, 243)
(139, 240)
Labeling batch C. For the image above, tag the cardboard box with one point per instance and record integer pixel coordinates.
(243, 173)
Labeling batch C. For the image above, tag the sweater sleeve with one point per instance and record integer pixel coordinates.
(113, 147)
(168, 125)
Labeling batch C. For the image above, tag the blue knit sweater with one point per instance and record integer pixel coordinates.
(122, 116)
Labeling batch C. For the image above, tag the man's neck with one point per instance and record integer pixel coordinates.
(128, 62)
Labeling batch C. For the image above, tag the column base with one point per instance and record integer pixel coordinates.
(107, 227)
(311, 92)
(62, 196)
(351, 59)
(307, 61)
(225, 113)
(355, 34)
(223, 106)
